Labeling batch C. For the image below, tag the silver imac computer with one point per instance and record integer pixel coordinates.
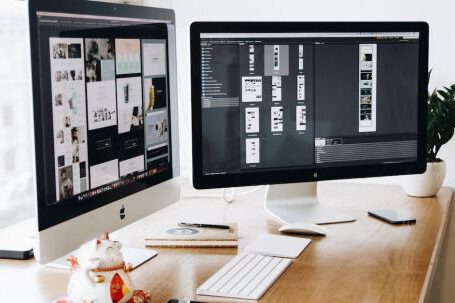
(105, 118)
(284, 103)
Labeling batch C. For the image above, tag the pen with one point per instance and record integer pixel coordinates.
(201, 225)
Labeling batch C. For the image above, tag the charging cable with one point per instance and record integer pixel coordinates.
(228, 194)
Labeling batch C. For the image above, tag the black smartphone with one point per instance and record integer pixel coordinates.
(391, 216)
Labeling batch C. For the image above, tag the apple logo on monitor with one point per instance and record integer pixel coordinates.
(122, 212)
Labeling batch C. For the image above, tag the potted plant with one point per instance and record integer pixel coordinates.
(440, 129)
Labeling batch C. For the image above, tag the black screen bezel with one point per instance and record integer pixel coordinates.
(201, 181)
(52, 215)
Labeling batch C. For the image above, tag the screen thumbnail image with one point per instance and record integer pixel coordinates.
(72, 180)
(300, 57)
(156, 127)
(300, 117)
(276, 60)
(301, 87)
(62, 50)
(252, 151)
(65, 182)
(252, 89)
(154, 57)
(104, 173)
(101, 104)
(129, 104)
(251, 59)
(252, 120)
(99, 59)
(68, 75)
(70, 146)
(130, 166)
(154, 93)
(276, 118)
(128, 56)
(276, 88)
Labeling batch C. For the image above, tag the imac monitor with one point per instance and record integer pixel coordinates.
(105, 118)
(277, 103)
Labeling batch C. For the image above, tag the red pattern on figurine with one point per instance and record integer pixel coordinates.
(99, 274)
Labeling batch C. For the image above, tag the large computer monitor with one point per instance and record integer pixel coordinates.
(105, 118)
(277, 103)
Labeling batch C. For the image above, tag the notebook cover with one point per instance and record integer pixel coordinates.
(174, 235)
(194, 243)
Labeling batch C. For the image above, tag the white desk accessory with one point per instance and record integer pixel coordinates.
(247, 276)
(250, 274)
(277, 246)
(303, 228)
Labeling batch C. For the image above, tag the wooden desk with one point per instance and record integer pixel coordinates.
(364, 261)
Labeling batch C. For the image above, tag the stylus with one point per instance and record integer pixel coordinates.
(183, 224)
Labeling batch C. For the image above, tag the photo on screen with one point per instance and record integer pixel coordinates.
(101, 104)
(78, 135)
(365, 117)
(61, 161)
(74, 50)
(156, 127)
(104, 173)
(252, 89)
(130, 166)
(365, 91)
(65, 182)
(365, 100)
(129, 104)
(128, 56)
(366, 76)
(82, 170)
(154, 57)
(59, 50)
(99, 60)
(276, 60)
(154, 93)
(58, 99)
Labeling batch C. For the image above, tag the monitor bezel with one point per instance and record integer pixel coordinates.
(202, 181)
(49, 216)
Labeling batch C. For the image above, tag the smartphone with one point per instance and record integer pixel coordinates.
(391, 216)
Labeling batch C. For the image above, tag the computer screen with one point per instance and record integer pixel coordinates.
(283, 101)
(103, 112)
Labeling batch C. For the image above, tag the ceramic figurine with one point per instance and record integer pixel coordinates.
(100, 275)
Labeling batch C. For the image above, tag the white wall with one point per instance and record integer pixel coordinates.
(16, 160)
(438, 13)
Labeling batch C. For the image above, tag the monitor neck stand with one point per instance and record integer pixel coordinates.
(298, 203)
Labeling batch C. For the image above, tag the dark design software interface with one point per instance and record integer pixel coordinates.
(296, 100)
(104, 104)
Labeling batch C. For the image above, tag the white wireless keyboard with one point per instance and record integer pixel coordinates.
(247, 276)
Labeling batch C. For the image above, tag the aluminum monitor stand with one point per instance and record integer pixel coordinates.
(298, 202)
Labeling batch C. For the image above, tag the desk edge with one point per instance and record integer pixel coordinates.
(429, 277)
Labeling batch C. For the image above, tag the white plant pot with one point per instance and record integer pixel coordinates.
(428, 183)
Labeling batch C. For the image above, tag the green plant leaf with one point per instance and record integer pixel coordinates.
(441, 119)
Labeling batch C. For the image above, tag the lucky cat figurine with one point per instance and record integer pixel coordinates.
(99, 274)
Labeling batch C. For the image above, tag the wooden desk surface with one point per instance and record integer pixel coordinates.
(364, 261)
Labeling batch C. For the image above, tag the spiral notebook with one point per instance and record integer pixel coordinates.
(176, 236)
